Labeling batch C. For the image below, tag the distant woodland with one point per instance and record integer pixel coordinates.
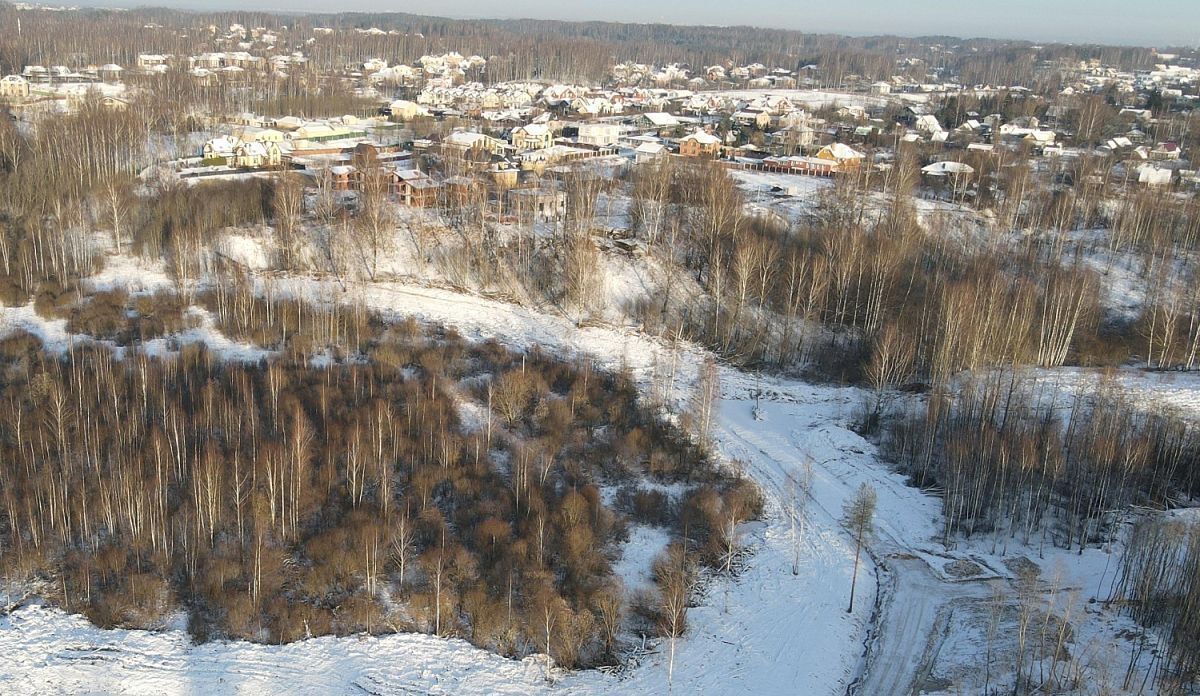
(533, 49)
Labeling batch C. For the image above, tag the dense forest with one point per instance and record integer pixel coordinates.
(278, 500)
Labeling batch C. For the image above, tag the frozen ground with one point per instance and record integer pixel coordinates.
(797, 196)
(767, 631)
(755, 634)
(1174, 390)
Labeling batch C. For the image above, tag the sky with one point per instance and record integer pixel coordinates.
(1125, 22)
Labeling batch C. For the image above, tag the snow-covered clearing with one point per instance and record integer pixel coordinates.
(46, 651)
(1179, 391)
(751, 635)
(789, 195)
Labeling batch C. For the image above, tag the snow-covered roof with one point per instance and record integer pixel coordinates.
(661, 120)
(842, 151)
(703, 138)
(947, 168)
(465, 138)
(536, 130)
(253, 149)
(224, 144)
(409, 174)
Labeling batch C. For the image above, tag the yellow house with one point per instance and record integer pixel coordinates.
(465, 141)
(845, 156)
(320, 132)
(490, 100)
(535, 136)
(14, 87)
(504, 175)
(256, 155)
(404, 110)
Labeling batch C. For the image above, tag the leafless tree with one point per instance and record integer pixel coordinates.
(859, 516)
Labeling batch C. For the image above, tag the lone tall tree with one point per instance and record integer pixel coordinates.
(860, 514)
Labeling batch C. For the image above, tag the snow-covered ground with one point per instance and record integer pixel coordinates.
(1178, 391)
(45, 651)
(792, 196)
(768, 630)
(749, 635)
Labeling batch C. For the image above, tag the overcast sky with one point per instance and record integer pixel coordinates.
(1144, 22)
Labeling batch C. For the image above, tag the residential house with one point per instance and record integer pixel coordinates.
(342, 177)
(751, 118)
(649, 152)
(460, 191)
(504, 175)
(1166, 152)
(415, 188)
(467, 141)
(599, 134)
(597, 106)
(403, 110)
(661, 121)
(256, 155)
(798, 118)
(153, 62)
(948, 169)
(110, 72)
(928, 123)
(322, 132)
(36, 74)
(794, 139)
(700, 144)
(13, 87)
(261, 135)
(203, 76)
(844, 156)
(1152, 175)
(535, 136)
(286, 123)
(220, 148)
(537, 203)
(811, 166)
